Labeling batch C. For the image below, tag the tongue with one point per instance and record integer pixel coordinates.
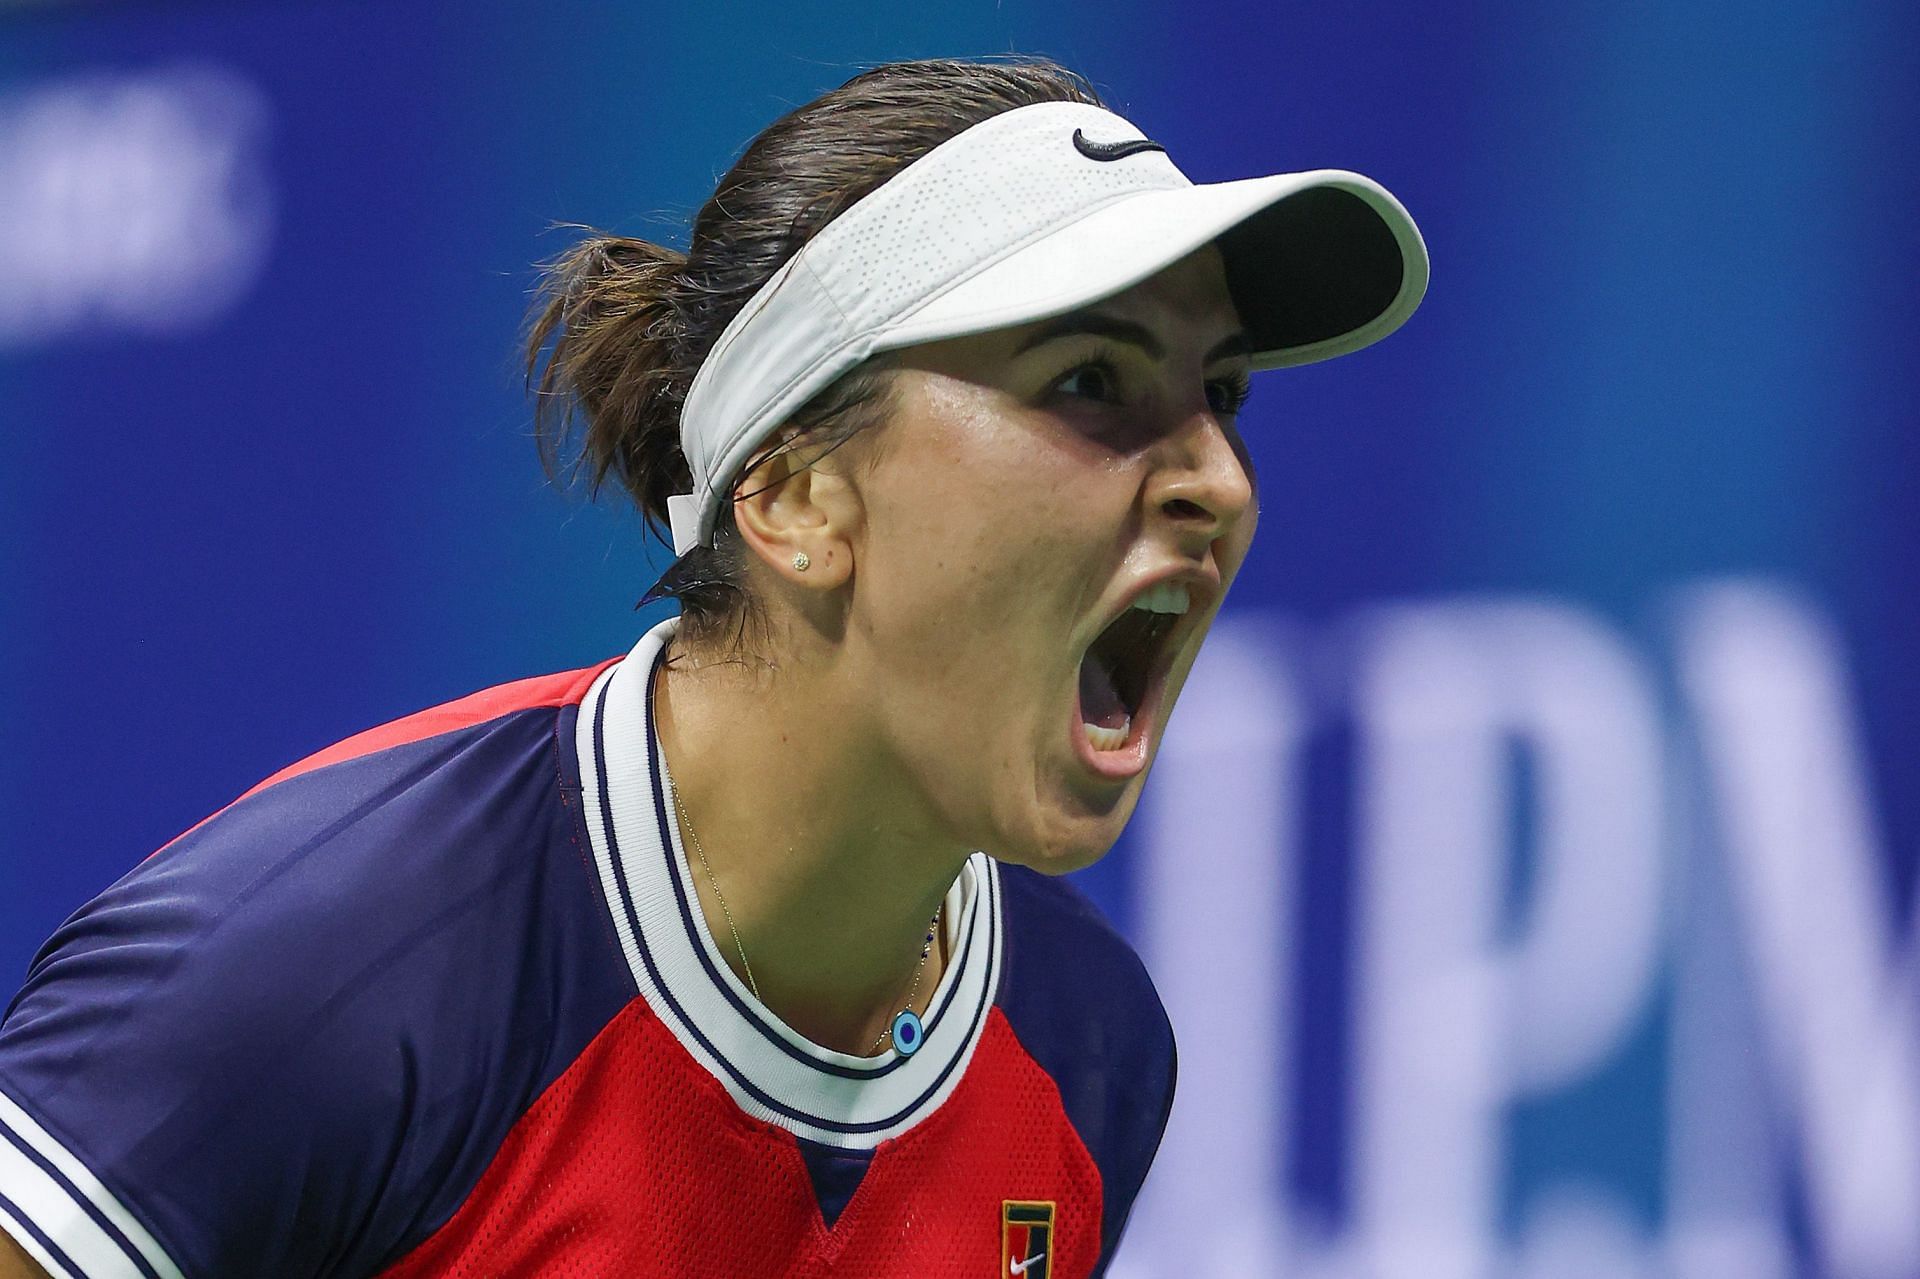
(1100, 702)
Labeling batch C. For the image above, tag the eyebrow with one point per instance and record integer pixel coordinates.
(1128, 331)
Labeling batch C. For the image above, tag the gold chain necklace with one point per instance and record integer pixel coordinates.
(905, 1029)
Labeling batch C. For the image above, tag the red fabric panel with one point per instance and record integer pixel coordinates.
(637, 1162)
(561, 689)
(475, 708)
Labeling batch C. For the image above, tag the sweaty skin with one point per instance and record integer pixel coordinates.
(914, 695)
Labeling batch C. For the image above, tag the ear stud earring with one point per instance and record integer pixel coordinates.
(800, 561)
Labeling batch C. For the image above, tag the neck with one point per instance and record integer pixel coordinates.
(826, 876)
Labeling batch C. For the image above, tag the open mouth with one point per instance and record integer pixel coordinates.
(1125, 665)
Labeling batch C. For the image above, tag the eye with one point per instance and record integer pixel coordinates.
(1095, 380)
(1226, 396)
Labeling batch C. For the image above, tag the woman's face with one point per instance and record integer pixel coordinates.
(1035, 487)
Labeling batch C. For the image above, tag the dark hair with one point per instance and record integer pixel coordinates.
(620, 326)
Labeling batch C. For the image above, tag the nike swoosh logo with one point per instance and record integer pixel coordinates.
(1112, 150)
(1020, 1267)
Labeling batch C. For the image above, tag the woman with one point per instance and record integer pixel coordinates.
(691, 962)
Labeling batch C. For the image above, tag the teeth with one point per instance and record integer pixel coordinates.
(1168, 597)
(1108, 739)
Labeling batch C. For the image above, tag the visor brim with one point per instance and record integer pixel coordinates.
(1319, 264)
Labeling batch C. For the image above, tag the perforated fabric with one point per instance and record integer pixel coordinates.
(881, 275)
(680, 969)
(636, 1163)
(948, 215)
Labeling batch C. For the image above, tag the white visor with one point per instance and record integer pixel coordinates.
(1028, 215)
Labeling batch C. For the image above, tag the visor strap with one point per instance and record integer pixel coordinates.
(683, 515)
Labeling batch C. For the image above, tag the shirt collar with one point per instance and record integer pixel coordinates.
(771, 1071)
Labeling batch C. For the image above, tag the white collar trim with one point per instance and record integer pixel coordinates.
(771, 1071)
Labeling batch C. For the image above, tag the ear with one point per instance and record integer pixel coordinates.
(788, 504)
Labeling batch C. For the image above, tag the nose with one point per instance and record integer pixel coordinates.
(1203, 486)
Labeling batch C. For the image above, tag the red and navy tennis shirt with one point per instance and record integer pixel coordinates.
(440, 1001)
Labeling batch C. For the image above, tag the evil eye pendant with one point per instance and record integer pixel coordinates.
(907, 1032)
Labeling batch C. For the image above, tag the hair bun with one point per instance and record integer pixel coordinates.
(620, 326)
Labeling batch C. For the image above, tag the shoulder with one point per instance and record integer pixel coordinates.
(423, 844)
(1069, 970)
(432, 736)
(313, 1008)
(1084, 1007)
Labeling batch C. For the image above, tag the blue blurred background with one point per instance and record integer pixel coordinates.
(1548, 789)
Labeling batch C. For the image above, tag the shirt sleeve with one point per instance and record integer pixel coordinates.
(188, 1084)
(291, 1043)
(1083, 1005)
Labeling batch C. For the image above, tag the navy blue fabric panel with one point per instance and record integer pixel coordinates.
(1083, 1007)
(836, 1175)
(292, 1042)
